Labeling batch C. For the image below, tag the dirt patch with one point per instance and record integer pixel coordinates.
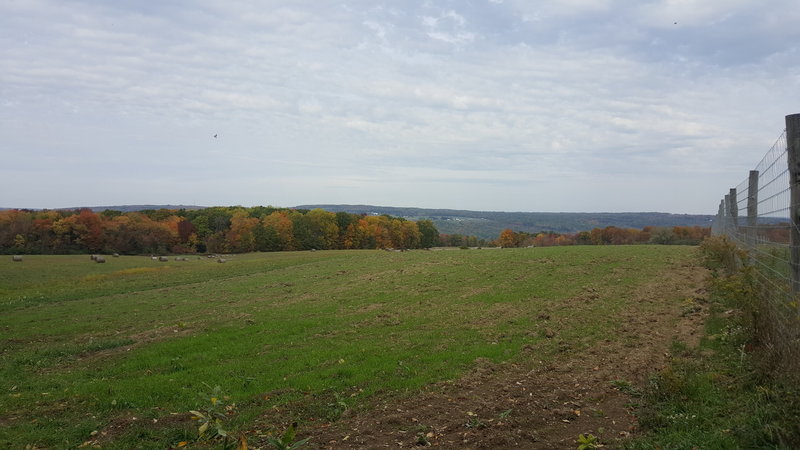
(123, 424)
(136, 340)
(495, 314)
(475, 292)
(160, 334)
(370, 307)
(535, 405)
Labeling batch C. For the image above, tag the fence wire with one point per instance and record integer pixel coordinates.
(758, 220)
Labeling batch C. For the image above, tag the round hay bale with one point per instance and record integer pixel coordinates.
(163, 258)
(16, 258)
(99, 259)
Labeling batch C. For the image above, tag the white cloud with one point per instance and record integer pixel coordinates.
(449, 27)
(438, 104)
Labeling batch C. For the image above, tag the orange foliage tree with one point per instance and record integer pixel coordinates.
(216, 229)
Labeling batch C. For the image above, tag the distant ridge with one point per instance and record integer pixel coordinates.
(489, 224)
(132, 208)
(123, 208)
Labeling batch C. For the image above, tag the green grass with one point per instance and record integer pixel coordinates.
(712, 397)
(286, 336)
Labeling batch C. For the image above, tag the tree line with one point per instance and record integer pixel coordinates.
(239, 229)
(217, 229)
(611, 235)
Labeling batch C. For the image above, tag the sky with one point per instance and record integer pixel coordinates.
(502, 105)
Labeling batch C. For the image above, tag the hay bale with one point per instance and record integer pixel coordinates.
(163, 258)
(99, 259)
(115, 255)
(16, 258)
(222, 260)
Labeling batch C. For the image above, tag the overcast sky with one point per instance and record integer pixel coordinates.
(510, 105)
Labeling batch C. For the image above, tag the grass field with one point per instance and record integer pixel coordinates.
(84, 346)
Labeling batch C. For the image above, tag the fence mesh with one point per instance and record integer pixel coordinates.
(758, 220)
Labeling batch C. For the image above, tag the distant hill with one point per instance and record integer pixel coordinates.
(131, 208)
(489, 224)
(123, 208)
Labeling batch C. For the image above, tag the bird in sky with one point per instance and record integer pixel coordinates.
(215, 136)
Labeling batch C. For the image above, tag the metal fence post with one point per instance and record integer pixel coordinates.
(752, 210)
(793, 151)
(727, 222)
(717, 227)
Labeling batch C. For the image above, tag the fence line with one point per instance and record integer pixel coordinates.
(762, 216)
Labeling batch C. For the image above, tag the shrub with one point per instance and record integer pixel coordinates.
(719, 253)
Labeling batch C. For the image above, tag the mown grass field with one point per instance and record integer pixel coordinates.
(286, 336)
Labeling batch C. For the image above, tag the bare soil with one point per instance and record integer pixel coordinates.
(533, 405)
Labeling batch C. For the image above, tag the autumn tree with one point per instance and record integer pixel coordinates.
(357, 235)
(240, 236)
(404, 234)
(279, 225)
(216, 229)
(90, 230)
(507, 239)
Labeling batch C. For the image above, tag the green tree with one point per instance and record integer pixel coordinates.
(323, 228)
(429, 235)
(344, 220)
(267, 238)
(663, 236)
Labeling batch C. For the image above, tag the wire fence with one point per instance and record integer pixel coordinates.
(760, 216)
